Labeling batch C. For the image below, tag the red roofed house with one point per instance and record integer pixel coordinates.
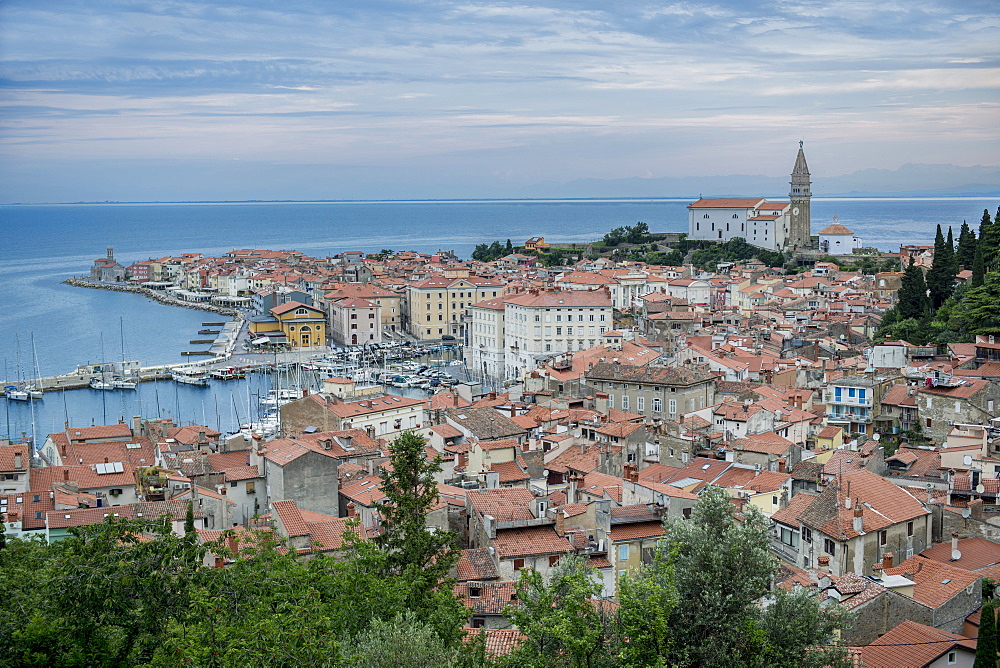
(921, 646)
(849, 526)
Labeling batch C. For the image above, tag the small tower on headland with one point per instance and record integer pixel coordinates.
(111, 254)
(800, 196)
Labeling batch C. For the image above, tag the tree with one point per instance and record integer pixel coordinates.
(562, 617)
(414, 553)
(941, 277)
(986, 645)
(799, 632)
(647, 602)
(403, 641)
(966, 250)
(717, 615)
(978, 267)
(508, 248)
(978, 310)
(989, 240)
(912, 294)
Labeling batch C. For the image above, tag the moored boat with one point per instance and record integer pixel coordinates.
(97, 383)
(190, 376)
(14, 393)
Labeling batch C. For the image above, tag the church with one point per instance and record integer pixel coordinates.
(783, 226)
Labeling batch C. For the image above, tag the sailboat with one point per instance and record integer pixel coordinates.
(32, 389)
(100, 382)
(126, 382)
(17, 392)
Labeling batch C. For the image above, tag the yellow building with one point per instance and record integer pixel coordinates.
(830, 437)
(294, 323)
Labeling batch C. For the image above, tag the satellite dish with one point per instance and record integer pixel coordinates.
(967, 460)
(956, 555)
(876, 436)
(966, 513)
(980, 488)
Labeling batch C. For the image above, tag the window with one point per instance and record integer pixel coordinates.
(807, 534)
(233, 483)
(640, 403)
(672, 406)
(909, 528)
(789, 537)
(829, 547)
(657, 405)
(611, 401)
(478, 622)
(623, 552)
(624, 402)
(883, 537)
(251, 487)
(952, 658)
(553, 559)
(518, 564)
(475, 591)
(36, 497)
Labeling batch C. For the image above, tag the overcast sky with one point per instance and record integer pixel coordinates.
(174, 100)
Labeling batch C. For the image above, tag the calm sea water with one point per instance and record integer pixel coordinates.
(43, 245)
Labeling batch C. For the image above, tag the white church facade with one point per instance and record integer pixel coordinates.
(771, 225)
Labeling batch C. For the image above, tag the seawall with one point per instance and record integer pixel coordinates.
(154, 295)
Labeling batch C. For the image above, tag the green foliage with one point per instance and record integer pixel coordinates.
(630, 234)
(493, 251)
(647, 602)
(564, 624)
(966, 250)
(553, 259)
(912, 295)
(798, 631)
(978, 313)
(735, 250)
(986, 646)
(402, 642)
(713, 607)
(941, 277)
(418, 557)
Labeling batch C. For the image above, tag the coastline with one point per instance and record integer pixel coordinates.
(154, 295)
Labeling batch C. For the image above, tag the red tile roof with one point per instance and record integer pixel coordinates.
(912, 645)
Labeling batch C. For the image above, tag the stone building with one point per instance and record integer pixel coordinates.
(654, 391)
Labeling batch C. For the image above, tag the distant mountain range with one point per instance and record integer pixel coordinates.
(910, 180)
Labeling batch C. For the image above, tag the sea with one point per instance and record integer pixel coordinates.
(47, 327)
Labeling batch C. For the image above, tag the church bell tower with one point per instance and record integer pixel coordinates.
(800, 196)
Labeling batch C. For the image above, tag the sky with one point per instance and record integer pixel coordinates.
(175, 100)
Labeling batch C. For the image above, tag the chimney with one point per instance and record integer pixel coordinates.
(858, 518)
(781, 465)
(886, 561)
(560, 522)
(571, 491)
(136, 425)
(18, 461)
(351, 509)
(201, 436)
(824, 562)
(954, 542)
(305, 391)
(454, 399)
(634, 475)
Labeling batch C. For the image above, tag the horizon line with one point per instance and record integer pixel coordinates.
(858, 196)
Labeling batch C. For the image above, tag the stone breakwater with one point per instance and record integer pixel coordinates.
(154, 295)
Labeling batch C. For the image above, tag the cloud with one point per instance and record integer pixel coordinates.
(573, 87)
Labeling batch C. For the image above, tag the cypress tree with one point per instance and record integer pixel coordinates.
(966, 247)
(912, 294)
(986, 645)
(941, 277)
(978, 267)
(949, 246)
(989, 239)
